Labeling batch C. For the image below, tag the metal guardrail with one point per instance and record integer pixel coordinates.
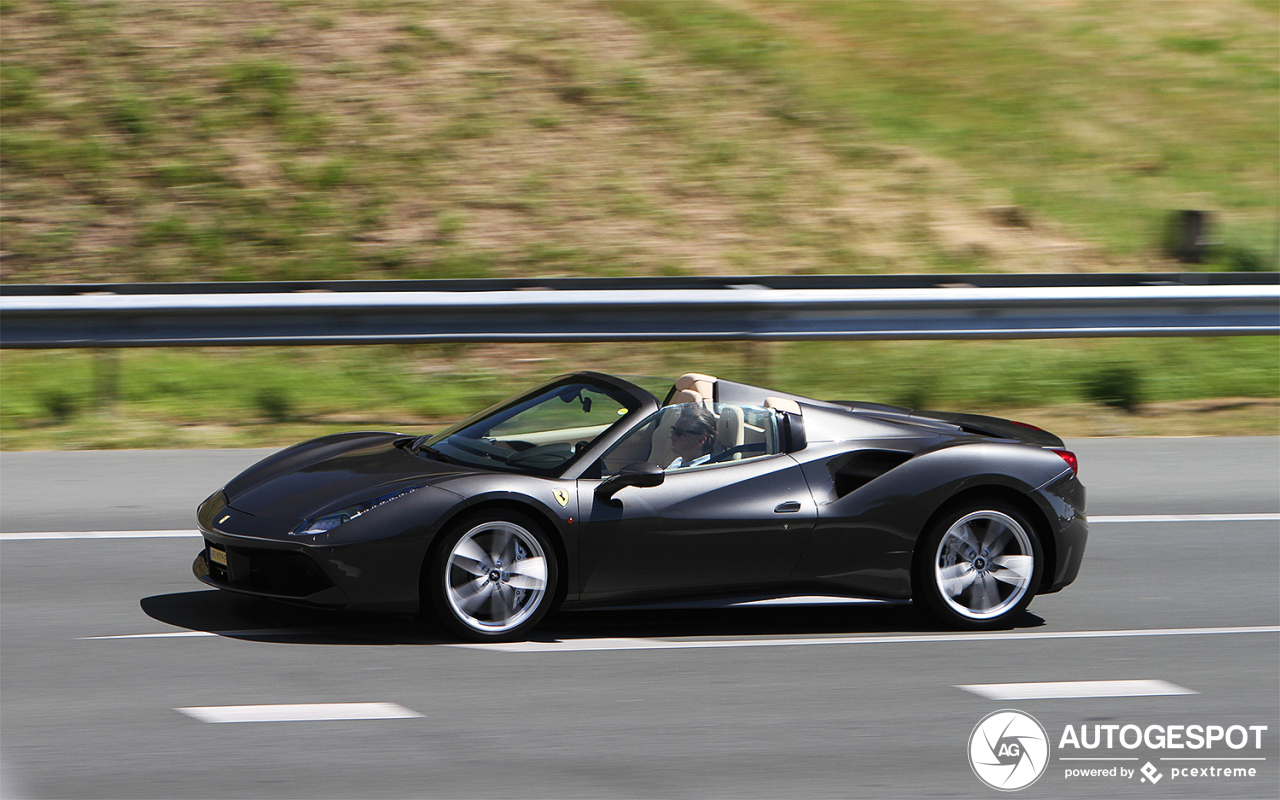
(580, 310)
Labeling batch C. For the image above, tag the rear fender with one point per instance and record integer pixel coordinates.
(865, 540)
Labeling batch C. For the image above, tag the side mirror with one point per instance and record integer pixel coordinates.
(640, 473)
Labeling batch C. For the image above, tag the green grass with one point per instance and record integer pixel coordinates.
(229, 397)
(1102, 115)
(1003, 375)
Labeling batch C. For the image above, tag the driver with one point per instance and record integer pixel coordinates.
(692, 436)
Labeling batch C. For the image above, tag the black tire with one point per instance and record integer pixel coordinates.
(493, 577)
(979, 566)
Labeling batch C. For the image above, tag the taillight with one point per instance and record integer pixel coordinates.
(1068, 457)
(1028, 426)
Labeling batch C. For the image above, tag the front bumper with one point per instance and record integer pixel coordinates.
(380, 575)
(370, 563)
(276, 574)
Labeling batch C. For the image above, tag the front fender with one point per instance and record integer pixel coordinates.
(551, 502)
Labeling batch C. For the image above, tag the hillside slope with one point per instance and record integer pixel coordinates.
(154, 140)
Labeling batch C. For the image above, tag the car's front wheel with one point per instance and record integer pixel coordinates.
(494, 577)
(979, 566)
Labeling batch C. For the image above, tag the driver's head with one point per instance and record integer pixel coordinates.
(694, 431)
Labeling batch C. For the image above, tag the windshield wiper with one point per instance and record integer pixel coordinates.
(420, 445)
(431, 451)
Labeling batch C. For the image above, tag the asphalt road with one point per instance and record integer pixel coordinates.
(102, 639)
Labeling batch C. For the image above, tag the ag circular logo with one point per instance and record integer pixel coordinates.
(1008, 750)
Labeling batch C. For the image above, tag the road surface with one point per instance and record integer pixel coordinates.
(109, 648)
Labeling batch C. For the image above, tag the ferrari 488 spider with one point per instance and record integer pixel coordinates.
(592, 490)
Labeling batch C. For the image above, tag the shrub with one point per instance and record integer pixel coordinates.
(59, 405)
(1115, 386)
(275, 404)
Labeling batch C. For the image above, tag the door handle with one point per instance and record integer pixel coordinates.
(789, 507)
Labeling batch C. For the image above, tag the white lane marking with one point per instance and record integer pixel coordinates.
(587, 645)
(1188, 518)
(195, 534)
(52, 535)
(184, 534)
(304, 712)
(170, 635)
(1065, 690)
(250, 633)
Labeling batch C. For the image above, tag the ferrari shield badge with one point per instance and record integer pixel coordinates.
(562, 497)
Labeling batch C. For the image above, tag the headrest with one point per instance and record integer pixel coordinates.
(782, 404)
(704, 385)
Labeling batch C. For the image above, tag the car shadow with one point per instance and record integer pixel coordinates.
(253, 619)
(250, 618)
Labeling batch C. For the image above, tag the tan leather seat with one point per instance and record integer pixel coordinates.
(692, 387)
(730, 431)
(699, 384)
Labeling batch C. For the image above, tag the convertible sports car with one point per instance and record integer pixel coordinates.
(590, 490)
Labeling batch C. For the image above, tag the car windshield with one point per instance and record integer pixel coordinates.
(538, 433)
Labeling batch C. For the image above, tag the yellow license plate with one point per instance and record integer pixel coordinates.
(218, 556)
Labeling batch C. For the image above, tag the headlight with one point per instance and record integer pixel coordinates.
(327, 522)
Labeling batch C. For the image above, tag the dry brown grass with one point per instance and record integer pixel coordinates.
(461, 139)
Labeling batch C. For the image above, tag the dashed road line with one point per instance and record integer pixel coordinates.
(1185, 518)
(185, 635)
(301, 712)
(1069, 690)
(44, 536)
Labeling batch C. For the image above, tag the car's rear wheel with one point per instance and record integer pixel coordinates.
(494, 577)
(979, 565)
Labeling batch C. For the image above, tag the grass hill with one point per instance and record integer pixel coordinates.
(283, 139)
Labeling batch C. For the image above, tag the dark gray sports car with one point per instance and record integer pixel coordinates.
(590, 490)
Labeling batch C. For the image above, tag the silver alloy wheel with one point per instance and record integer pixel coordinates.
(496, 576)
(984, 565)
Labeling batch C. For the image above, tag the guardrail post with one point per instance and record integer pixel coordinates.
(758, 358)
(1187, 238)
(106, 379)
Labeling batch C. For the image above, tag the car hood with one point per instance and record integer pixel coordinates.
(331, 473)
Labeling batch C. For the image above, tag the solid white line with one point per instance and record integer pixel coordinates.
(1064, 690)
(305, 712)
(1188, 518)
(589, 645)
(53, 535)
(183, 534)
(251, 633)
(170, 635)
